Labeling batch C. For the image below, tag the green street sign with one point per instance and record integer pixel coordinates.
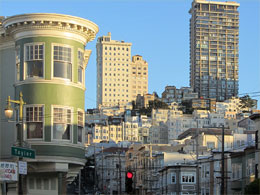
(23, 152)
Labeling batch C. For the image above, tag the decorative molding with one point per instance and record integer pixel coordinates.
(33, 24)
(50, 32)
(56, 143)
(87, 54)
(53, 81)
(58, 159)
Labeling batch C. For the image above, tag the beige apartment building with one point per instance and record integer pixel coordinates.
(113, 71)
(214, 33)
(139, 76)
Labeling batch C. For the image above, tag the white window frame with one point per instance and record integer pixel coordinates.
(82, 66)
(17, 63)
(52, 62)
(236, 171)
(43, 119)
(52, 122)
(188, 174)
(32, 185)
(24, 61)
(173, 175)
(83, 127)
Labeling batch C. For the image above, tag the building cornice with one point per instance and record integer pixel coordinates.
(57, 82)
(40, 24)
(233, 3)
(58, 159)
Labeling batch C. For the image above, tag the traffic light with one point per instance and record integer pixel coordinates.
(129, 182)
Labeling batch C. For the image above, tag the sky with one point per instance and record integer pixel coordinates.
(158, 31)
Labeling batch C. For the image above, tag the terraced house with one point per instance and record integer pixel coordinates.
(43, 56)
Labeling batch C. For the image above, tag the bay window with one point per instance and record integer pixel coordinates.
(62, 123)
(62, 62)
(34, 60)
(34, 122)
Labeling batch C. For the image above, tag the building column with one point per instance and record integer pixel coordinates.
(61, 183)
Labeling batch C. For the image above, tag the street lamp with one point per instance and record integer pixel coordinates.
(9, 110)
(9, 114)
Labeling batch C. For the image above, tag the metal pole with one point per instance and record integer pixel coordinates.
(120, 185)
(94, 168)
(20, 129)
(102, 187)
(197, 157)
(4, 188)
(223, 163)
(79, 180)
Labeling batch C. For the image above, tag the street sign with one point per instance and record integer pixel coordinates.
(23, 152)
(22, 165)
(8, 171)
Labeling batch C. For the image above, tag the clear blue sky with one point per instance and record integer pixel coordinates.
(158, 30)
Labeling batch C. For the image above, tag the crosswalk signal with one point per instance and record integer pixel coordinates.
(129, 182)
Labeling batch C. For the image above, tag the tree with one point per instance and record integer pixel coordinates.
(253, 187)
(157, 104)
(247, 102)
(186, 106)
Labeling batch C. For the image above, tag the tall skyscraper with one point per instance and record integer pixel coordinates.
(214, 48)
(139, 76)
(113, 72)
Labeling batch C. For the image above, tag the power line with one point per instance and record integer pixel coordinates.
(249, 93)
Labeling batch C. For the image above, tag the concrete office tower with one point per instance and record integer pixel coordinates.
(139, 76)
(113, 72)
(214, 49)
(43, 56)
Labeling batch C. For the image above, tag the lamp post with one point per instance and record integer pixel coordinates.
(9, 114)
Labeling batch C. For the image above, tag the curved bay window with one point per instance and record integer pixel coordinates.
(62, 62)
(62, 123)
(34, 122)
(34, 60)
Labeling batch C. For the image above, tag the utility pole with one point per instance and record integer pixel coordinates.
(197, 156)
(95, 168)
(102, 172)
(120, 185)
(79, 181)
(223, 163)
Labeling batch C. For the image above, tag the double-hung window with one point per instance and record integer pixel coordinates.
(62, 62)
(188, 178)
(62, 123)
(80, 125)
(17, 62)
(80, 67)
(34, 60)
(34, 122)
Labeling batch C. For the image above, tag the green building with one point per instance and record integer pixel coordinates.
(43, 56)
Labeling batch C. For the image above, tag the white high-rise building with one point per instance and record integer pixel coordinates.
(119, 79)
(113, 72)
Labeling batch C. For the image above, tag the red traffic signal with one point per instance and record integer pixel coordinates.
(129, 175)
